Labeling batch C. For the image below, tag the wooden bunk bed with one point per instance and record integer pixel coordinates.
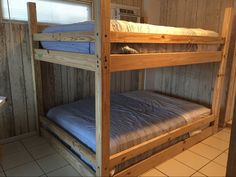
(103, 63)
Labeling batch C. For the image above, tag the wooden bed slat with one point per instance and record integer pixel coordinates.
(66, 36)
(75, 145)
(166, 154)
(76, 60)
(155, 142)
(130, 37)
(125, 62)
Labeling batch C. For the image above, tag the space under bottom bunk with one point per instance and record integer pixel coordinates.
(136, 117)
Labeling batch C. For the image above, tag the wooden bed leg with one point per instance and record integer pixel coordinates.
(36, 68)
(218, 89)
(102, 87)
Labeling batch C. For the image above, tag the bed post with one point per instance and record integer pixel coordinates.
(218, 89)
(36, 68)
(102, 84)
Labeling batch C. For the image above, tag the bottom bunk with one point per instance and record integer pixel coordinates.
(136, 117)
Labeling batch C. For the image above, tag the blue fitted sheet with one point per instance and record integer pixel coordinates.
(135, 117)
(81, 47)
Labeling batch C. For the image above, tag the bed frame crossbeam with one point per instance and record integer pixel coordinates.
(65, 37)
(130, 37)
(124, 62)
(76, 60)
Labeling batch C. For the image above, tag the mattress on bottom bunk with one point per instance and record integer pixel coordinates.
(118, 26)
(135, 117)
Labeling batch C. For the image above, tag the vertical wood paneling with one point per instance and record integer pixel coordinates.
(6, 113)
(18, 116)
(137, 3)
(16, 72)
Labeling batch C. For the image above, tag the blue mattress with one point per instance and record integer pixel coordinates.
(135, 117)
(81, 47)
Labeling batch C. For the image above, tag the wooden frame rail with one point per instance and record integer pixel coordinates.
(124, 62)
(82, 61)
(129, 37)
(66, 36)
(157, 141)
(156, 159)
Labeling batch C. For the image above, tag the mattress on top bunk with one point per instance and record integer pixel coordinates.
(135, 117)
(118, 26)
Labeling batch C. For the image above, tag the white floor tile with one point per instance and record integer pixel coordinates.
(216, 143)
(175, 168)
(65, 171)
(52, 162)
(153, 173)
(213, 170)
(16, 159)
(197, 174)
(222, 159)
(42, 150)
(192, 160)
(29, 169)
(223, 135)
(12, 148)
(33, 141)
(227, 130)
(205, 151)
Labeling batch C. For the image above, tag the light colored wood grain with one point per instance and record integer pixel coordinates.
(164, 155)
(76, 60)
(157, 141)
(102, 86)
(123, 62)
(219, 84)
(66, 36)
(129, 37)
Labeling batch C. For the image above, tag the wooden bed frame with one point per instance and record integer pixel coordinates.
(103, 63)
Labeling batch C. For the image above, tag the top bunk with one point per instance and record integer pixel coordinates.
(140, 46)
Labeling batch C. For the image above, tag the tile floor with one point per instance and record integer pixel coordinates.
(35, 157)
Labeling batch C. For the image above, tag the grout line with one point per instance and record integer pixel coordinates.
(34, 159)
(45, 173)
(211, 162)
(186, 165)
(57, 168)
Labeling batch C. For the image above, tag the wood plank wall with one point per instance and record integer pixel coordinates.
(193, 82)
(17, 117)
(63, 84)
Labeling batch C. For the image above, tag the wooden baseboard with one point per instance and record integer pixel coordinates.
(17, 138)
